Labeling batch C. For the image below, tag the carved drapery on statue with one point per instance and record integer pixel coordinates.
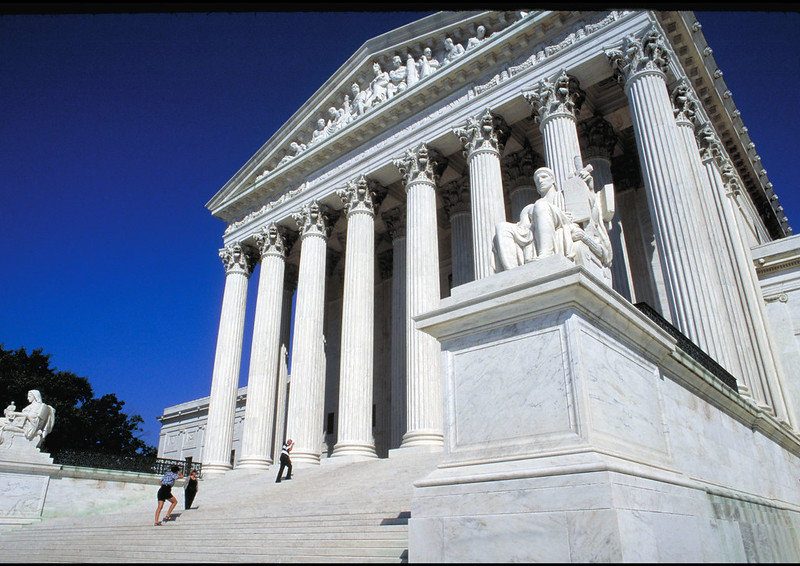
(27, 427)
(548, 226)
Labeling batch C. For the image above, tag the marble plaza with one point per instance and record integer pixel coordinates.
(475, 215)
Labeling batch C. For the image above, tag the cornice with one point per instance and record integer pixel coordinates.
(689, 44)
(513, 43)
(777, 256)
(433, 123)
(198, 407)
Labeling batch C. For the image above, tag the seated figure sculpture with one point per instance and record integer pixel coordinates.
(381, 87)
(427, 63)
(32, 424)
(480, 35)
(546, 227)
(360, 103)
(452, 50)
(398, 75)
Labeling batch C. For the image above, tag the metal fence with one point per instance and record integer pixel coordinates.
(135, 463)
(692, 349)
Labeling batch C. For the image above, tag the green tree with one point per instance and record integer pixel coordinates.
(83, 422)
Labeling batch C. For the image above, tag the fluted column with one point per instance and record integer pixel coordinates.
(642, 63)
(518, 169)
(698, 207)
(457, 205)
(557, 105)
(358, 333)
(262, 384)
(305, 416)
(281, 404)
(239, 262)
(395, 220)
(423, 365)
(483, 139)
(289, 287)
(600, 140)
(764, 381)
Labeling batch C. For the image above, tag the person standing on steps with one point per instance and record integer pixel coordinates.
(190, 489)
(165, 493)
(286, 462)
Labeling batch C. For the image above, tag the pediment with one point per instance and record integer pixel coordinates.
(295, 151)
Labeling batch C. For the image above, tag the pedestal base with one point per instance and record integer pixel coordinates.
(576, 430)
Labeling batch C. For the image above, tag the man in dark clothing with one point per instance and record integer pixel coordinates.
(286, 462)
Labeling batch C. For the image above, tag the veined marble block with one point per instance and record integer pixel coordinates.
(576, 430)
(24, 478)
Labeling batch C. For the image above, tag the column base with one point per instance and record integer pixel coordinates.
(253, 463)
(354, 451)
(302, 459)
(215, 469)
(422, 438)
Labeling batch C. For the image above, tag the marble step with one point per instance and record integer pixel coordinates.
(355, 512)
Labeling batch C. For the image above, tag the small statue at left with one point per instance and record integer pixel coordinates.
(31, 425)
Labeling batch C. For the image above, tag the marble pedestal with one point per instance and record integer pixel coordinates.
(576, 430)
(24, 478)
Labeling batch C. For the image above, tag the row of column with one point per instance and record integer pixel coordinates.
(707, 274)
(682, 193)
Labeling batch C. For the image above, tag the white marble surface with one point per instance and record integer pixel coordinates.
(579, 411)
(21, 496)
(778, 267)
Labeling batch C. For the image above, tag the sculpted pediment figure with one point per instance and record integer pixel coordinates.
(390, 65)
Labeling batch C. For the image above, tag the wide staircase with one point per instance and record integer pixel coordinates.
(348, 512)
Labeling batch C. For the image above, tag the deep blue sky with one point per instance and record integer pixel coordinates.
(115, 130)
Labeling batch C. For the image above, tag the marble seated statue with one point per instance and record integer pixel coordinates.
(29, 426)
(428, 64)
(569, 222)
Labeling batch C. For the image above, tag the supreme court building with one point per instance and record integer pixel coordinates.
(637, 328)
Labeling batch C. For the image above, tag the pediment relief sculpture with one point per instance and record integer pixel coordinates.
(406, 69)
(356, 101)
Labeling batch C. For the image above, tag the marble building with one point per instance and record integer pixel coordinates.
(389, 205)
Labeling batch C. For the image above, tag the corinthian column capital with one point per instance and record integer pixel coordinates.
(709, 143)
(518, 167)
(270, 241)
(599, 136)
(684, 103)
(420, 164)
(484, 132)
(455, 195)
(556, 98)
(646, 54)
(395, 220)
(312, 219)
(238, 259)
(731, 178)
(358, 196)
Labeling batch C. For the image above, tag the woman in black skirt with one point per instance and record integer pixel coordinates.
(190, 489)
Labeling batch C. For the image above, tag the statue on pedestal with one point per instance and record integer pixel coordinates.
(546, 227)
(32, 424)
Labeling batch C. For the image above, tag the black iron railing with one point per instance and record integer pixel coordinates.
(134, 463)
(692, 349)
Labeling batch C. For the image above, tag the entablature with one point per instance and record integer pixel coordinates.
(498, 87)
(690, 47)
(521, 44)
